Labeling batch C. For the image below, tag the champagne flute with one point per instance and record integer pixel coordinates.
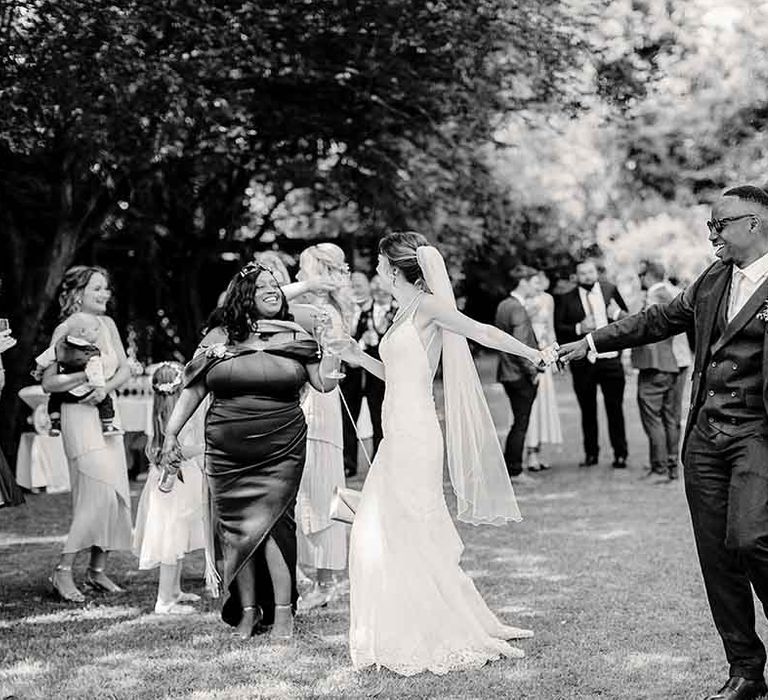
(334, 341)
(321, 322)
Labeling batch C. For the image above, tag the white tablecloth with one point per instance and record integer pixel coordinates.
(133, 405)
(40, 460)
(41, 463)
(135, 414)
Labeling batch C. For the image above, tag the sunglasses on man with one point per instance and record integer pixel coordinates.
(717, 225)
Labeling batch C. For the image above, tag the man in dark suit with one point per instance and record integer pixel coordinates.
(373, 316)
(661, 374)
(725, 447)
(518, 376)
(590, 305)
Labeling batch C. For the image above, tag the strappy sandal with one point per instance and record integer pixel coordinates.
(70, 596)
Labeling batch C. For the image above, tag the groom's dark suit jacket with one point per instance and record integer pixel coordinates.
(730, 381)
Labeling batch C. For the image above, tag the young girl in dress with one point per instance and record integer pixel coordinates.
(169, 524)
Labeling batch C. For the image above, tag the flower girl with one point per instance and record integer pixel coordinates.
(171, 516)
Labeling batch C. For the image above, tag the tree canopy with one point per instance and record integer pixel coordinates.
(140, 126)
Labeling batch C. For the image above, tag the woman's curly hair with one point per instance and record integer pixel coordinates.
(75, 280)
(239, 311)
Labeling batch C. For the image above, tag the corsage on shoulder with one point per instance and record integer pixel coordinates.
(219, 351)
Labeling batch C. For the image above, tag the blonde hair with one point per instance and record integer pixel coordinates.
(327, 260)
(167, 385)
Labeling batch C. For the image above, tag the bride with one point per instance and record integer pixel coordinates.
(413, 609)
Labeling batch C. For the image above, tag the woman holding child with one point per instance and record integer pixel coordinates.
(101, 510)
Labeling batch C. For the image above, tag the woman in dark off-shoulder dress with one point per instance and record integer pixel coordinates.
(255, 447)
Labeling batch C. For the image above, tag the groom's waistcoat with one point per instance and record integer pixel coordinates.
(731, 384)
(728, 386)
(730, 372)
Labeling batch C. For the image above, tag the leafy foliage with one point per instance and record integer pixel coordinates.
(139, 126)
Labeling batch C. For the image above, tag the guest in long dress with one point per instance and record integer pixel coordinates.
(255, 435)
(544, 425)
(10, 493)
(101, 504)
(323, 542)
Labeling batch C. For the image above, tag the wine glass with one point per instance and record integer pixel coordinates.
(4, 324)
(334, 341)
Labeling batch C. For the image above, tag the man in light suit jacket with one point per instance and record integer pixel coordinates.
(662, 371)
(591, 305)
(518, 376)
(725, 446)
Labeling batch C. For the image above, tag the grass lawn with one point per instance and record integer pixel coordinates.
(602, 568)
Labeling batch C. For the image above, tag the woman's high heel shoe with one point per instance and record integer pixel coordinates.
(249, 622)
(98, 580)
(70, 594)
(283, 626)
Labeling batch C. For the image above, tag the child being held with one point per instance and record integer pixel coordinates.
(77, 351)
(172, 522)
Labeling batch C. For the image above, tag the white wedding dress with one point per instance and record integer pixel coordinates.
(412, 608)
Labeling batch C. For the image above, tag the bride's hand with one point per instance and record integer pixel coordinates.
(548, 356)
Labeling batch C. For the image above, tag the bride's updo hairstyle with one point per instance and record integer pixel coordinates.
(400, 250)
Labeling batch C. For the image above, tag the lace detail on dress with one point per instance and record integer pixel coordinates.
(439, 661)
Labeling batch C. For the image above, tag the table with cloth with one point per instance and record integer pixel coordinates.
(40, 460)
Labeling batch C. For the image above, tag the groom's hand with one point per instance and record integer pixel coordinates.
(573, 351)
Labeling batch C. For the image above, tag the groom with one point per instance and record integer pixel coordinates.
(725, 450)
